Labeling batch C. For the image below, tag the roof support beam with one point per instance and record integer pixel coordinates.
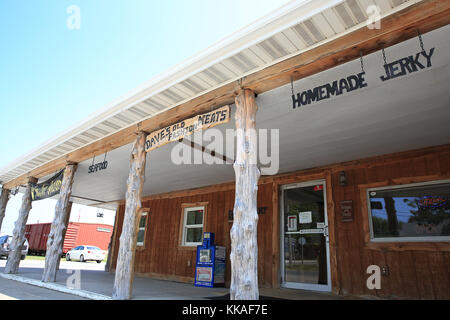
(14, 256)
(3, 202)
(123, 281)
(203, 149)
(244, 240)
(55, 239)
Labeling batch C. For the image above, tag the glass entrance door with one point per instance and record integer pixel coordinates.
(305, 254)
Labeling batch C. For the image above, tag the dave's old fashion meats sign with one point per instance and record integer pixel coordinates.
(186, 127)
(47, 188)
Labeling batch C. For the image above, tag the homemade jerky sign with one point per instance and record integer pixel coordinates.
(186, 127)
(392, 70)
(47, 188)
(334, 88)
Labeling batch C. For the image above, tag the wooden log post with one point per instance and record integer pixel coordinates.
(111, 243)
(12, 265)
(244, 244)
(55, 239)
(123, 281)
(3, 202)
(66, 225)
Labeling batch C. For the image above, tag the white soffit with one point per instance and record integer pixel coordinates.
(292, 29)
(406, 113)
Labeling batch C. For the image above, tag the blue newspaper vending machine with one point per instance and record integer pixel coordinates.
(210, 264)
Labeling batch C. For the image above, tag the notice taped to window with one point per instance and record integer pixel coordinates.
(305, 217)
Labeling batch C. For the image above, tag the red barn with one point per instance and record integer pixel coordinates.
(94, 234)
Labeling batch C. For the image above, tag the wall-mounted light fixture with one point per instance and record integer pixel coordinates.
(342, 179)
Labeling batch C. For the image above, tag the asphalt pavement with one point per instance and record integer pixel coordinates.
(13, 290)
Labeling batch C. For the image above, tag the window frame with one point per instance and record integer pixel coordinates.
(185, 209)
(146, 212)
(401, 239)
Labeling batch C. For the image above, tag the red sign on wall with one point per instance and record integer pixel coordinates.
(318, 187)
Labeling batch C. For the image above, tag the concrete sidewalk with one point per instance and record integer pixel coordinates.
(101, 283)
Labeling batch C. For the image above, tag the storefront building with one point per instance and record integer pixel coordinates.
(416, 261)
(353, 150)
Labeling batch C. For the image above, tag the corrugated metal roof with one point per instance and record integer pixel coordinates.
(325, 20)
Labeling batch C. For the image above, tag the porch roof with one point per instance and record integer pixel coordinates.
(200, 81)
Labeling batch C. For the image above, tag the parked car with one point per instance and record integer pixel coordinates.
(5, 242)
(86, 253)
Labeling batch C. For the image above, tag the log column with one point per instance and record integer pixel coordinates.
(66, 225)
(12, 265)
(56, 237)
(123, 282)
(244, 245)
(111, 243)
(3, 202)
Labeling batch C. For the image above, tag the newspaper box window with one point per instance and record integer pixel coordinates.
(210, 266)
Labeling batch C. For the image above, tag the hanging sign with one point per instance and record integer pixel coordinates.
(187, 127)
(47, 188)
(98, 166)
(392, 70)
(410, 64)
(335, 88)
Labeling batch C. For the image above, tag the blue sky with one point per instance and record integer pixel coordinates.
(52, 77)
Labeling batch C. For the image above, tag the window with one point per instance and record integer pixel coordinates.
(141, 229)
(193, 226)
(415, 212)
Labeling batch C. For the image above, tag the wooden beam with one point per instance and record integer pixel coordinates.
(3, 203)
(244, 240)
(426, 16)
(55, 239)
(14, 256)
(123, 282)
(203, 149)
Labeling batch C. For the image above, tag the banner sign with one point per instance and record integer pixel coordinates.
(187, 127)
(47, 188)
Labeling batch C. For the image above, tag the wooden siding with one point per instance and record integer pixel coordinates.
(164, 257)
(416, 270)
(419, 270)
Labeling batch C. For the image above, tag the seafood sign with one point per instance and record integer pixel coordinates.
(187, 127)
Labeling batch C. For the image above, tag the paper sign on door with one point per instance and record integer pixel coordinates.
(292, 223)
(305, 217)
